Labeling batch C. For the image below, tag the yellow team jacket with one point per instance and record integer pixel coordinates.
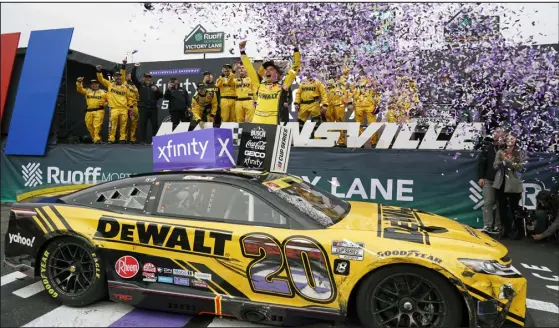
(200, 102)
(406, 96)
(311, 91)
(243, 87)
(134, 95)
(338, 95)
(95, 99)
(227, 86)
(267, 95)
(118, 95)
(366, 97)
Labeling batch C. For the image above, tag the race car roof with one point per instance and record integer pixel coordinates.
(239, 172)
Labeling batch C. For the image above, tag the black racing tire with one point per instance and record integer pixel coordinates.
(72, 272)
(366, 303)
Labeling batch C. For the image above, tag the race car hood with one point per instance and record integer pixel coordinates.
(365, 216)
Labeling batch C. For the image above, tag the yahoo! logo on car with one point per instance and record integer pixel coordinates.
(208, 148)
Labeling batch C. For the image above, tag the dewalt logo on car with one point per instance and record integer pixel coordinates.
(164, 236)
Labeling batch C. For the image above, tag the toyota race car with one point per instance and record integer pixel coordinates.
(262, 247)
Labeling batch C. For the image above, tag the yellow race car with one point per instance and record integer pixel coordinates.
(262, 247)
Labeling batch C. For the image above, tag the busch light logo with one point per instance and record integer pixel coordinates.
(258, 133)
(208, 148)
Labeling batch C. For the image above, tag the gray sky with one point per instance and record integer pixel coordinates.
(111, 30)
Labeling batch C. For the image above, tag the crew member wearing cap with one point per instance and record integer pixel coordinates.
(271, 95)
(133, 115)
(338, 99)
(366, 99)
(200, 101)
(147, 106)
(227, 90)
(244, 107)
(118, 96)
(95, 100)
(310, 100)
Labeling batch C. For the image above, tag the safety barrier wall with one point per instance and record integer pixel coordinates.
(443, 182)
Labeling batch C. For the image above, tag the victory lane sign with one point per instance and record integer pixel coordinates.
(208, 148)
(200, 41)
(264, 146)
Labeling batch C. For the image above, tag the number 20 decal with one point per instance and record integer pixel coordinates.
(305, 262)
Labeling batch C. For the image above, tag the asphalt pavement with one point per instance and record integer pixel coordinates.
(24, 302)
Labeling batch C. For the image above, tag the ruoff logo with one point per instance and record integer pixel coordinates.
(476, 195)
(18, 239)
(127, 267)
(32, 174)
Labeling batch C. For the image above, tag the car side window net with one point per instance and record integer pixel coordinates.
(129, 197)
(215, 201)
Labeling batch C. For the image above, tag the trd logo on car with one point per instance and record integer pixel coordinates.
(188, 240)
(18, 239)
(122, 297)
(401, 224)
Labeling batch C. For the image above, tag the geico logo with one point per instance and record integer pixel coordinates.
(56, 175)
(254, 154)
(162, 235)
(18, 239)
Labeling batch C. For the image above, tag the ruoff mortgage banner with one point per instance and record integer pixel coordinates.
(208, 148)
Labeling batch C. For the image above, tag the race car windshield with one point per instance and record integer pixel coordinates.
(321, 206)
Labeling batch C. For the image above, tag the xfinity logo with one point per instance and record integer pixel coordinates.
(33, 175)
(18, 239)
(182, 149)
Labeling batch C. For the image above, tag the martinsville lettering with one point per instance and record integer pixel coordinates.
(163, 235)
(188, 149)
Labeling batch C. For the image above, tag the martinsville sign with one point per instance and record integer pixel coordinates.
(391, 135)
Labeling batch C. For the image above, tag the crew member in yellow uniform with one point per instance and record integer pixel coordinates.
(95, 111)
(404, 97)
(201, 100)
(338, 98)
(270, 93)
(133, 113)
(227, 89)
(244, 107)
(310, 100)
(365, 101)
(117, 95)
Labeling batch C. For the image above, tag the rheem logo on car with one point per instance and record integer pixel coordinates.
(127, 267)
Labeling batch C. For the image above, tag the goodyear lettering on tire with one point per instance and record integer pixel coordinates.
(44, 278)
(97, 266)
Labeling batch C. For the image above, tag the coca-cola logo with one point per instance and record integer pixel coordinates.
(127, 267)
(258, 145)
(149, 267)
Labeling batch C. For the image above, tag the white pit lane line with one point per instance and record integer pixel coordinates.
(542, 306)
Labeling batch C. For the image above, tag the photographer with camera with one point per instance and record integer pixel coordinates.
(486, 176)
(179, 103)
(547, 215)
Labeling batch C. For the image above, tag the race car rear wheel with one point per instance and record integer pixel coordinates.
(72, 272)
(408, 296)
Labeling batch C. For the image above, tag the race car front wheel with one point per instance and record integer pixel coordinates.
(72, 272)
(408, 296)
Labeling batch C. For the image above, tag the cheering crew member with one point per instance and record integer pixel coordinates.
(270, 94)
(202, 100)
(133, 113)
(244, 107)
(338, 99)
(405, 98)
(95, 111)
(365, 101)
(179, 103)
(311, 100)
(147, 106)
(118, 95)
(211, 87)
(227, 90)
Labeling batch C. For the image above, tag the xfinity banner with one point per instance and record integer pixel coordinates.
(442, 182)
(208, 148)
(264, 146)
